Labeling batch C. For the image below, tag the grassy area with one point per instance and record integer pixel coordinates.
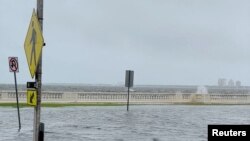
(201, 103)
(61, 104)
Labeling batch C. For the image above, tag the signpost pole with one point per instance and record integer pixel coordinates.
(13, 66)
(128, 90)
(129, 82)
(128, 100)
(17, 102)
(37, 109)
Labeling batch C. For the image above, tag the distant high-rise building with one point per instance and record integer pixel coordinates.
(238, 83)
(231, 83)
(222, 82)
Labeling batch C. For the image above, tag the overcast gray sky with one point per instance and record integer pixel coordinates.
(165, 42)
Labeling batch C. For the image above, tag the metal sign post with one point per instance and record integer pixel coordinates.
(37, 112)
(128, 100)
(38, 76)
(33, 45)
(129, 82)
(13, 67)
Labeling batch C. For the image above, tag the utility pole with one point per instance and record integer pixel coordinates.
(37, 109)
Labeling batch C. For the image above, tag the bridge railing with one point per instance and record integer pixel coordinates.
(135, 97)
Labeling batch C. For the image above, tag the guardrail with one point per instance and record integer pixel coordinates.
(135, 97)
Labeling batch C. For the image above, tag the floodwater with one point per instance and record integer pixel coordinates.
(114, 123)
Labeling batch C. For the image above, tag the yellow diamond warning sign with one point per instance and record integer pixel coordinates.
(32, 97)
(33, 44)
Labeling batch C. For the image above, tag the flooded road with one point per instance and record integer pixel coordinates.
(114, 123)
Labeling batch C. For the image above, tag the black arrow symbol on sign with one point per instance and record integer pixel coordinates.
(31, 98)
(33, 41)
(13, 63)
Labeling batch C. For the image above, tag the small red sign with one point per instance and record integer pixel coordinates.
(13, 64)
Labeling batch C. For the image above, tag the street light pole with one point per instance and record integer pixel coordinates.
(37, 109)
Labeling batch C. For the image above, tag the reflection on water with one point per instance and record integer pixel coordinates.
(141, 123)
